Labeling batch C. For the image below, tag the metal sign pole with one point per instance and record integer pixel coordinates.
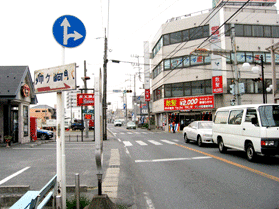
(99, 130)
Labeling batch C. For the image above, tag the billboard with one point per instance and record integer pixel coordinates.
(85, 99)
(189, 103)
(216, 2)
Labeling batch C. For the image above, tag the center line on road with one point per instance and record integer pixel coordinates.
(171, 159)
(13, 175)
(233, 163)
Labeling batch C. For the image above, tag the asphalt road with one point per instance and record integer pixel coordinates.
(168, 173)
(157, 170)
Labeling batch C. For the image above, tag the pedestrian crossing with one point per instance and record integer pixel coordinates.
(149, 142)
(133, 133)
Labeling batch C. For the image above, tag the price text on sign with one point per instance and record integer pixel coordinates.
(85, 100)
(189, 103)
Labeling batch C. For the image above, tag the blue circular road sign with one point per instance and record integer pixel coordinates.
(69, 31)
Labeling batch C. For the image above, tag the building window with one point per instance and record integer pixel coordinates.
(177, 89)
(168, 90)
(157, 93)
(257, 30)
(25, 121)
(208, 86)
(275, 31)
(167, 64)
(166, 39)
(175, 37)
(247, 30)
(37, 110)
(187, 89)
(185, 35)
(267, 31)
(197, 88)
(176, 63)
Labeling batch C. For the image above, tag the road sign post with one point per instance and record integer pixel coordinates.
(70, 32)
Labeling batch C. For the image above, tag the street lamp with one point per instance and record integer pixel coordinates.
(255, 69)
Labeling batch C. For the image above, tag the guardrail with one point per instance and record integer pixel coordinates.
(36, 199)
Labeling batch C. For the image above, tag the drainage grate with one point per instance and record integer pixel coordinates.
(114, 166)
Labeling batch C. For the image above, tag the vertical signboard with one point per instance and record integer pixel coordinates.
(146, 71)
(217, 84)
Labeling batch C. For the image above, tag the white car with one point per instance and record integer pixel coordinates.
(117, 123)
(131, 125)
(200, 131)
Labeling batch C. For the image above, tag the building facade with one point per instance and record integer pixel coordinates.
(16, 94)
(189, 84)
(43, 112)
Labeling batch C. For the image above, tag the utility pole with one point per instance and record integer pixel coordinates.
(105, 89)
(236, 73)
(85, 87)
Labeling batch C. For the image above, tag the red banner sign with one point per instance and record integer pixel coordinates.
(217, 84)
(147, 95)
(189, 103)
(85, 100)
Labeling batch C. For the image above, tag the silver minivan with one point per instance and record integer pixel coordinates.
(251, 128)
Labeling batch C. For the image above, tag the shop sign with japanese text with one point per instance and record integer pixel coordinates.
(55, 79)
(189, 103)
(217, 84)
(85, 100)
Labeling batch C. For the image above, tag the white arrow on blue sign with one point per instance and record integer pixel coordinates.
(69, 31)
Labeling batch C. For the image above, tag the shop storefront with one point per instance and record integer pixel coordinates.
(182, 111)
(16, 94)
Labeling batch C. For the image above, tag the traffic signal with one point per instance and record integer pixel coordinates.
(128, 91)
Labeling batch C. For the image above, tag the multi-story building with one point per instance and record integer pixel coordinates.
(43, 112)
(191, 86)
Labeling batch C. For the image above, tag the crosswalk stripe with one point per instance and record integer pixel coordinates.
(127, 143)
(154, 142)
(168, 142)
(141, 143)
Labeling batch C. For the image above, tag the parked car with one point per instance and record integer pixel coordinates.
(77, 125)
(44, 134)
(131, 125)
(252, 128)
(200, 131)
(117, 123)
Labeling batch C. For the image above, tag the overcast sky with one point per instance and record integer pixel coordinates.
(27, 38)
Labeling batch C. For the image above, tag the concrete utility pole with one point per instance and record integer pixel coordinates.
(105, 89)
(85, 87)
(236, 72)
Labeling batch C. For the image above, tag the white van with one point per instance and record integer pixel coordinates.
(251, 128)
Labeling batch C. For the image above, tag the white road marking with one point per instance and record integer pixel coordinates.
(129, 133)
(119, 139)
(176, 140)
(127, 143)
(13, 175)
(141, 143)
(154, 142)
(148, 201)
(168, 142)
(171, 159)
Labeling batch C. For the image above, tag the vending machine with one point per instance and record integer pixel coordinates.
(33, 128)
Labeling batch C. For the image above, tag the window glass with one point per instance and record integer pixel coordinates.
(235, 117)
(239, 30)
(187, 89)
(240, 56)
(269, 115)
(247, 30)
(185, 35)
(207, 60)
(267, 57)
(166, 39)
(250, 86)
(167, 64)
(257, 30)
(251, 113)
(186, 61)
(208, 88)
(275, 31)
(175, 37)
(176, 63)
(168, 90)
(25, 120)
(221, 117)
(177, 89)
(257, 57)
(195, 33)
(227, 29)
(197, 87)
(196, 60)
(249, 57)
(205, 31)
(267, 31)
(37, 110)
